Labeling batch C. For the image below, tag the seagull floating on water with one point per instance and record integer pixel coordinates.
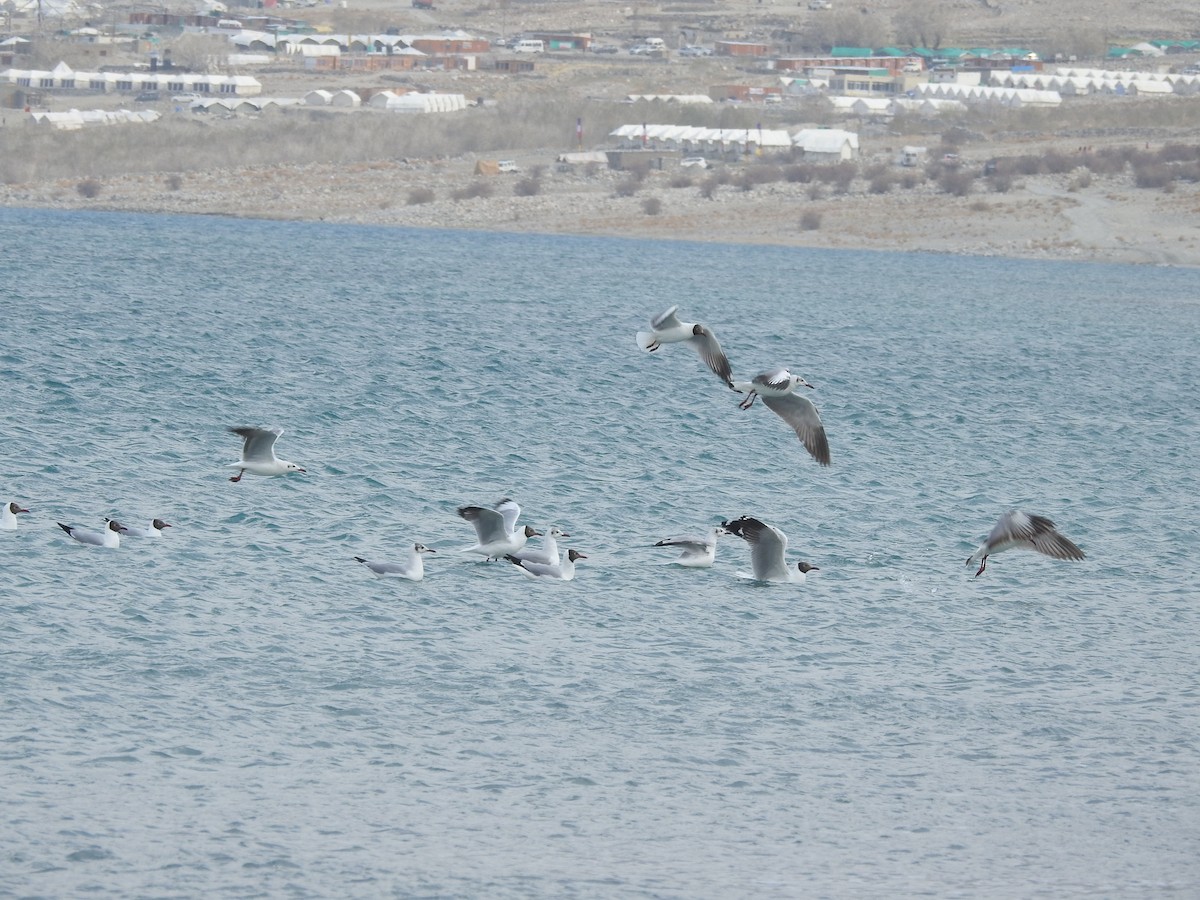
(496, 529)
(8, 516)
(767, 547)
(1019, 531)
(153, 530)
(548, 553)
(258, 453)
(413, 568)
(110, 537)
(563, 572)
(698, 552)
(777, 389)
(668, 329)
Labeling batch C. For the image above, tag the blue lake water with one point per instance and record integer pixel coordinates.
(240, 710)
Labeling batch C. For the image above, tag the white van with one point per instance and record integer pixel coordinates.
(654, 44)
(529, 46)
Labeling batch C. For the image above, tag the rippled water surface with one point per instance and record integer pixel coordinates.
(241, 710)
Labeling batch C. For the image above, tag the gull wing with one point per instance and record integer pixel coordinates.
(539, 570)
(1047, 540)
(767, 547)
(688, 545)
(710, 351)
(384, 568)
(665, 321)
(803, 418)
(259, 443)
(774, 378)
(510, 510)
(489, 523)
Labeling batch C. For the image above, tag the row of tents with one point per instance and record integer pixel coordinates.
(75, 119)
(1084, 82)
(63, 77)
(825, 143)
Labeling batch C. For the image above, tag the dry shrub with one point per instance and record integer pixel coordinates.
(1151, 175)
(473, 190)
(708, 187)
(799, 174)
(1109, 161)
(882, 182)
(956, 182)
(89, 188)
(1027, 165)
(173, 182)
(652, 206)
(627, 187)
(680, 181)
(1058, 163)
(810, 220)
(816, 192)
(763, 174)
(910, 180)
(1082, 179)
(873, 171)
(980, 206)
(419, 195)
(527, 187)
(1000, 182)
(1178, 153)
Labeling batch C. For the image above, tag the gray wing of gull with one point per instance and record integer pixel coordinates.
(1047, 540)
(710, 351)
(665, 320)
(767, 546)
(489, 523)
(510, 510)
(259, 443)
(539, 569)
(775, 378)
(803, 418)
(386, 568)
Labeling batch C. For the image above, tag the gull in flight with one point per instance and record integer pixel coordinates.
(667, 329)
(777, 389)
(110, 537)
(258, 453)
(767, 546)
(413, 568)
(496, 529)
(563, 572)
(698, 552)
(548, 555)
(1019, 531)
(153, 530)
(8, 516)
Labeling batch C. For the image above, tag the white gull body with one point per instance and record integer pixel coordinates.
(697, 552)
(496, 529)
(110, 537)
(1020, 531)
(8, 516)
(563, 572)
(153, 530)
(258, 453)
(668, 329)
(413, 568)
(547, 554)
(767, 547)
(777, 390)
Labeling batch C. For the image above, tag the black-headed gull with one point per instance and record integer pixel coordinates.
(413, 568)
(548, 553)
(1019, 531)
(258, 453)
(110, 537)
(496, 529)
(668, 329)
(153, 530)
(777, 389)
(767, 547)
(698, 552)
(562, 572)
(8, 516)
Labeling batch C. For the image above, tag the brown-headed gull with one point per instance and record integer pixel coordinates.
(110, 537)
(668, 329)
(496, 529)
(547, 554)
(767, 547)
(8, 516)
(1020, 531)
(563, 572)
(777, 389)
(697, 552)
(413, 568)
(258, 453)
(153, 530)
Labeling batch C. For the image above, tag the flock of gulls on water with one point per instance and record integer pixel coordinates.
(498, 536)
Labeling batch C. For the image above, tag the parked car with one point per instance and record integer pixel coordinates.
(696, 162)
(508, 166)
(819, 4)
(695, 51)
(147, 97)
(185, 97)
(604, 48)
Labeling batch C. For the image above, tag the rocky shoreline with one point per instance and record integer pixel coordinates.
(1046, 216)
